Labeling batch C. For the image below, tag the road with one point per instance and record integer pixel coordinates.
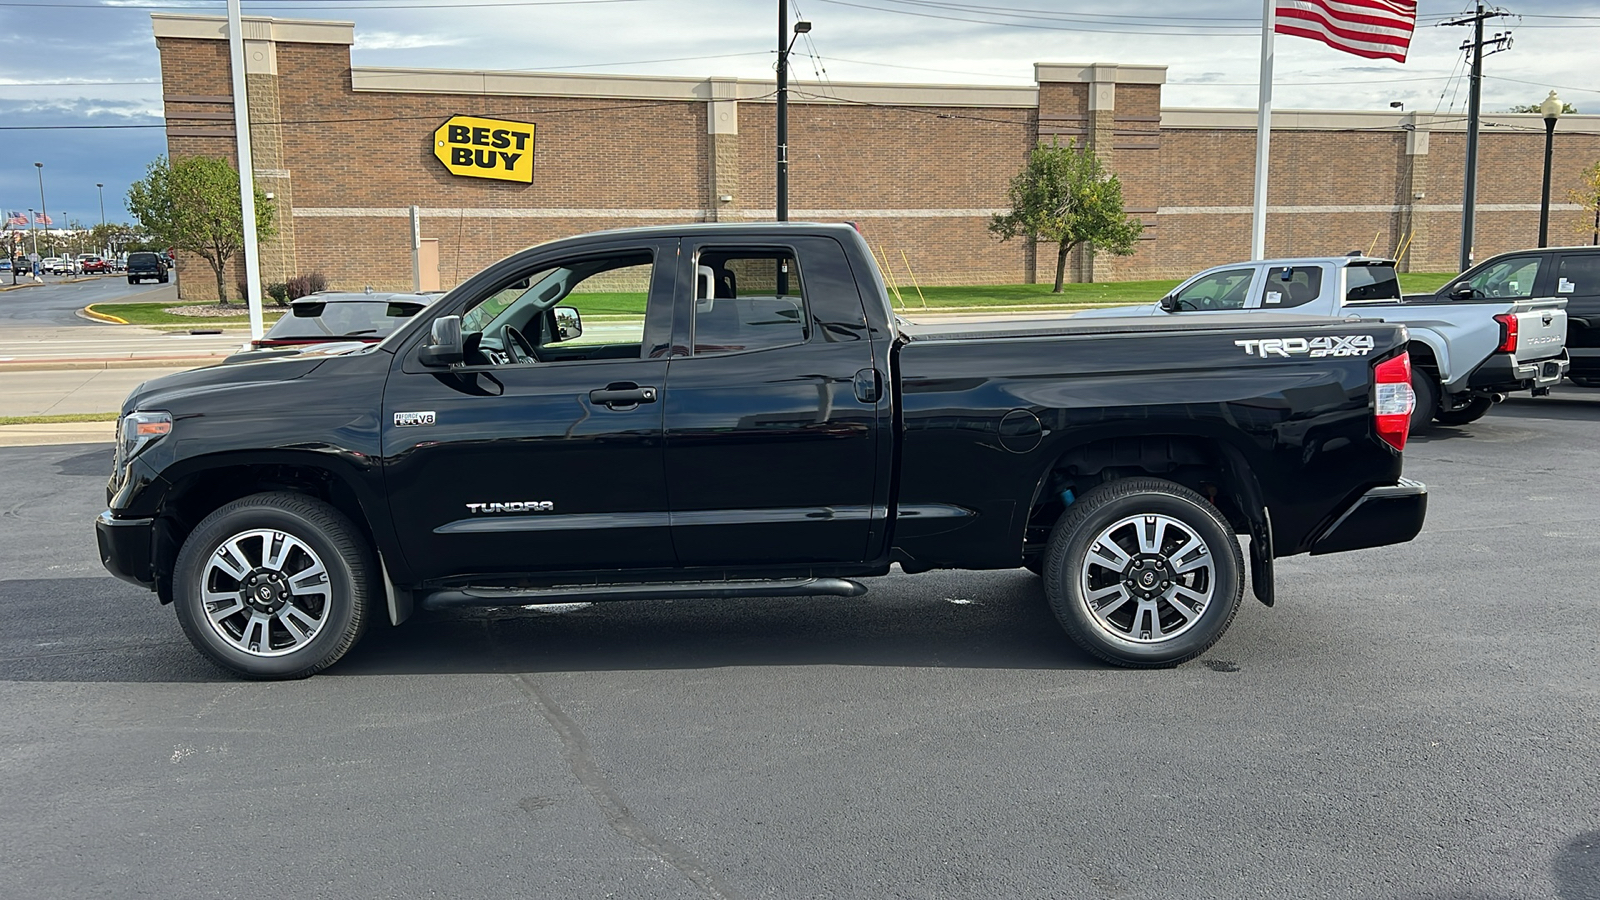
(1418, 722)
(57, 302)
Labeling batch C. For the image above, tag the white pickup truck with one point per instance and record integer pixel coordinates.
(1470, 346)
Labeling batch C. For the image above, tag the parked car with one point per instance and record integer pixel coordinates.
(1470, 346)
(1556, 273)
(331, 316)
(93, 265)
(144, 265)
(55, 265)
(5, 265)
(751, 421)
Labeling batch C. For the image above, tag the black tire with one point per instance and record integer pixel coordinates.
(1426, 389)
(1476, 408)
(132, 280)
(305, 529)
(1141, 504)
(1583, 381)
(162, 279)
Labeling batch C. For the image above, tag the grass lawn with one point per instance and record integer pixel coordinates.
(154, 314)
(57, 420)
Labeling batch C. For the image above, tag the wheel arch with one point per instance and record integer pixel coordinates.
(1208, 464)
(198, 486)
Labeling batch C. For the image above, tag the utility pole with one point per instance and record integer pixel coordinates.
(1469, 193)
(785, 44)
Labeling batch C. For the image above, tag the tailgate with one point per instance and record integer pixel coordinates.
(1541, 329)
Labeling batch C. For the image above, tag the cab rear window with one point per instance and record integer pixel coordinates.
(1370, 283)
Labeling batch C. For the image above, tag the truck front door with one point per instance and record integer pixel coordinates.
(542, 451)
(776, 408)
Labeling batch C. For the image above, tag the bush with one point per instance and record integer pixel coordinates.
(279, 292)
(301, 285)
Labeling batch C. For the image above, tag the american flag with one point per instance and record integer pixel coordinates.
(42, 219)
(15, 217)
(1375, 29)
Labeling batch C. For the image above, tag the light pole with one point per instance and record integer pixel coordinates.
(1551, 109)
(785, 44)
(33, 234)
(43, 210)
(102, 189)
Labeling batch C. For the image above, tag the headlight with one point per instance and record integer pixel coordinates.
(139, 430)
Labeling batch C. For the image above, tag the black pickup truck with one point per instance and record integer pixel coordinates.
(735, 411)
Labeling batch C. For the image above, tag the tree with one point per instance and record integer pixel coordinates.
(1066, 197)
(193, 204)
(1567, 109)
(1588, 197)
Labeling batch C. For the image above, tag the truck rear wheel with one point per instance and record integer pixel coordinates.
(274, 586)
(1143, 572)
(1426, 390)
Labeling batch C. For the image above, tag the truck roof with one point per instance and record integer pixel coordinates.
(1336, 261)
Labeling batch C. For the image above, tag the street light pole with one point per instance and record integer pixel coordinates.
(1551, 108)
(785, 44)
(43, 210)
(104, 251)
(33, 234)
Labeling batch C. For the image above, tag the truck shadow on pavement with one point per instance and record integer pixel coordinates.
(1575, 872)
(997, 620)
(118, 633)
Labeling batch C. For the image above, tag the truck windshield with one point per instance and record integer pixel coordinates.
(1370, 283)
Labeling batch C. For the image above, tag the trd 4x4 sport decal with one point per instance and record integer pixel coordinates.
(1315, 348)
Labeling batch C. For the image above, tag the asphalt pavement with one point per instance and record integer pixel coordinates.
(1418, 722)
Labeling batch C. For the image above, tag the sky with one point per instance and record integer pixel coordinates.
(94, 62)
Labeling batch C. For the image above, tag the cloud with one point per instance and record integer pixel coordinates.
(392, 40)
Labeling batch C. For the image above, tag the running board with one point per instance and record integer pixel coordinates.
(713, 590)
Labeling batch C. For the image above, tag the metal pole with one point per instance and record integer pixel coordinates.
(1469, 192)
(1544, 196)
(247, 172)
(100, 186)
(43, 210)
(1258, 219)
(416, 249)
(783, 111)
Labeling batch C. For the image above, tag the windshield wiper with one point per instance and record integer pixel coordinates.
(354, 333)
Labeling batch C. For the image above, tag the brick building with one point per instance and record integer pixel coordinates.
(346, 152)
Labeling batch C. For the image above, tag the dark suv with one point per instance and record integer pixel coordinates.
(146, 265)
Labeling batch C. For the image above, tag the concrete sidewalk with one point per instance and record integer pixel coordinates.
(71, 391)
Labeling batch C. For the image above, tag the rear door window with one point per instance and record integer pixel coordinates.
(1578, 275)
(747, 300)
(1370, 283)
(1290, 286)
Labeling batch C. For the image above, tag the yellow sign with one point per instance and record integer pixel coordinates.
(486, 148)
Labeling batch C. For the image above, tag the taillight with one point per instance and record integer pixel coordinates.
(1393, 399)
(1508, 332)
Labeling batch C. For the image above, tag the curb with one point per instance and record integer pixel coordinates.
(37, 365)
(20, 285)
(92, 313)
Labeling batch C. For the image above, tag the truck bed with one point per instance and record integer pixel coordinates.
(1069, 326)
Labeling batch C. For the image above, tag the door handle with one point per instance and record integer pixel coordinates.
(613, 396)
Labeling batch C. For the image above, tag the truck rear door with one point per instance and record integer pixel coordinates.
(776, 409)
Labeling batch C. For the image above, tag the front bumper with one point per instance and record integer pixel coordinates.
(1502, 374)
(125, 548)
(1391, 514)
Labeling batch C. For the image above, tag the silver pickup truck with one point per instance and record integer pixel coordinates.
(1470, 346)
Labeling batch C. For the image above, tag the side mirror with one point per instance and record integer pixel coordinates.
(1461, 291)
(569, 324)
(1169, 303)
(444, 346)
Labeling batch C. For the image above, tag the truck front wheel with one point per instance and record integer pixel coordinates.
(1143, 572)
(274, 586)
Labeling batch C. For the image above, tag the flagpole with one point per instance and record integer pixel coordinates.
(1258, 219)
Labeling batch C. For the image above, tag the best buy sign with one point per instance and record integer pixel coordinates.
(486, 148)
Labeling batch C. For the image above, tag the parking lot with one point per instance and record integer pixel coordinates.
(1417, 721)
